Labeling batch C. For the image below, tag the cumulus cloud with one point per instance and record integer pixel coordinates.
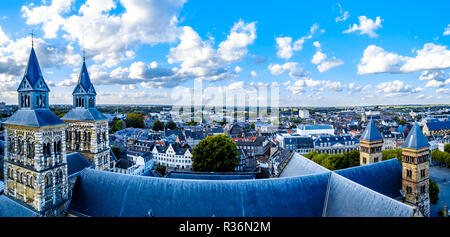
(396, 88)
(286, 47)
(344, 15)
(443, 90)
(300, 86)
(320, 59)
(376, 60)
(447, 30)
(294, 69)
(253, 74)
(366, 26)
(238, 69)
(106, 35)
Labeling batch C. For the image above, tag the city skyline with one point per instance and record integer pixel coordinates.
(315, 54)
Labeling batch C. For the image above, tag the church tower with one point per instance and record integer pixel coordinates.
(35, 167)
(416, 170)
(370, 144)
(87, 131)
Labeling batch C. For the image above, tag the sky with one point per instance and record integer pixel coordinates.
(299, 53)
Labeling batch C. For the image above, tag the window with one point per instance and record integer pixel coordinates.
(364, 160)
(422, 189)
(422, 173)
(375, 160)
(408, 173)
(408, 190)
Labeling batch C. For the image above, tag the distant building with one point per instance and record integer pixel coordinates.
(295, 142)
(335, 144)
(437, 127)
(304, 114)
(392, 140)
(173, 156)
(319, 129)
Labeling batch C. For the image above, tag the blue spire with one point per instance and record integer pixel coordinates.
(85, 81)
(33, 73)
(371, 133)
(415, 138)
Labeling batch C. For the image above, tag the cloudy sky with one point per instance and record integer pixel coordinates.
(153, 51)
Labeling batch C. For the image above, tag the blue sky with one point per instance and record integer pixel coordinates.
(315, 53)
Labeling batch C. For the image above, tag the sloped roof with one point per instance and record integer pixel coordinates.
(83, 114)
(210, 176)
(84, 80)
(102, 194)
(34, 118)
(11, 208)
(438, 125)
(415, 138)
(371, 132)
(76, 163)
(346, 198)
(388, 175)
(33, 71)
(299, 165)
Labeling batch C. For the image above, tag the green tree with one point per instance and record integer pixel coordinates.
(171, 125)
(252, 125)
(401, 122)
(158, 126)
(117, 126)
(216, 153)
(191, 123)
(434, 192)
(134, 120)
(447, 147)
(161, 169)
(392, 153)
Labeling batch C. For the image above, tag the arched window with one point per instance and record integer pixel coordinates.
(48, 180)
(91, 102)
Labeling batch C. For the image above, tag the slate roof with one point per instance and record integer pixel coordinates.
(84, 80)
(388, 175)
(438, 125)
(83, 114)
(1, 186)
(33, 72)
(76, 163)
(105, 194)
(299, 165)
(124, 163)
(335, 140)
(210, 175)
(315, 126)
(11, 208)
(371, 132)
(34, 118)
(415, 138)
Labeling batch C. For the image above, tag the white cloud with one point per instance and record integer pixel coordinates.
(344, 15)
(443, 90)
(285, 46)
(300, 86)
(377, 60)
(366, 26)
(396, 88)
(3, 37)
(253, 74)
(319, 58)
(447, 30)
(238, 69)
(106, 35)
(295, 71)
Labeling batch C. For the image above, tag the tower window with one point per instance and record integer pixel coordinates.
(422, 173)
(422, 189)
(408, 190)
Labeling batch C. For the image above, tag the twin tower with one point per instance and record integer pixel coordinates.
(415, 163)
(37, 141)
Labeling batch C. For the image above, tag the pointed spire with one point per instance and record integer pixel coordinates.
(33, 71)
(371, 132)
(84, 80)
(415, 138)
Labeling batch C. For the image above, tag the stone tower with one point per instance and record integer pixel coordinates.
(416, 170)
(35, 167)
(370, 144)
(87, 131)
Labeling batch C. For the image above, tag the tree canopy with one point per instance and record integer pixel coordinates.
(434, 192)
(117, 125)
(158, 125)
(216, 153)
(171, 125)
(135, 120)
(392, 153)
(441, 157)
(337, 161)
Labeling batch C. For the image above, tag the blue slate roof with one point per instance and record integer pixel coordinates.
(112, 155)
(1, 186)
(299, 165)
(315, 126)
(333, 140)
(83, 114)
(34, 118)
(346, 198)
(210, 176)
(105, 194)
(33, 71)
(84, 80)
(415, 138)
(76, 163)
(438, 125)
(10, 208)
(384, 177)
(371, 132)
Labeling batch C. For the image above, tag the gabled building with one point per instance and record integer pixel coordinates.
(335, 144)
(173, 156)
(87, 131)
(437, 128)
